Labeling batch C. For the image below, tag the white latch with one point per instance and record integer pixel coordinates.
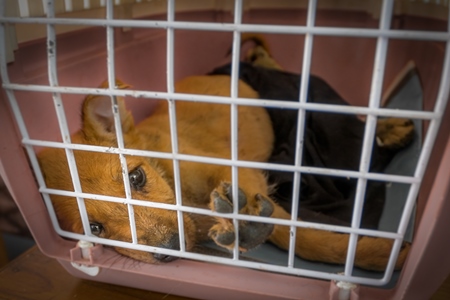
(345, 289)
(85, 248)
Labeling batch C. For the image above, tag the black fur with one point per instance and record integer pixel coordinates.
(331, 140)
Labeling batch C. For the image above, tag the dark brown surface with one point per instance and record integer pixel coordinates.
(36, 276)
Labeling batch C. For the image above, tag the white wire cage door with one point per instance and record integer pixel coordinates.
(382, 34)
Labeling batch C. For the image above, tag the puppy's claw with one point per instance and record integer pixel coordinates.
(220, 204)
(242, 199)
(224, 239)
(265, 205)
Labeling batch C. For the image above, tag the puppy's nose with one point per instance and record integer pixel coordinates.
(174, 244)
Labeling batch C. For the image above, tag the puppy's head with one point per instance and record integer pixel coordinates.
(101, 173)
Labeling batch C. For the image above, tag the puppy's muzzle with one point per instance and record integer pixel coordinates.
(174, 244)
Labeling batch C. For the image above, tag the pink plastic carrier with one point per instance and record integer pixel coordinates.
(53, 53)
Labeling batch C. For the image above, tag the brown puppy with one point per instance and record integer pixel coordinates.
(203, 129)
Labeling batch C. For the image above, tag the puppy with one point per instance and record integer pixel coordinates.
(204, 130)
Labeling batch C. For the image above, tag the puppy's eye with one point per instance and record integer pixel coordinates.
(96, 228)
(137, 178)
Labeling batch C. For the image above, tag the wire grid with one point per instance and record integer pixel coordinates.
(382, 34)
(25, 10)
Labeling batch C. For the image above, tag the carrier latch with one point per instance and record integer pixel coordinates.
(343, 290)
(83, 256)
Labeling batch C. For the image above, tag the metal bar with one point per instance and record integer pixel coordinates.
(173, 121)
(303, 97)
(227, 162)
(60, 113)
(358, 110)
(243, 217)
(45, 5)
(234, 122)
(256, 28)
(24, 9)
(68, 5)
(110, 60)
(369, 133)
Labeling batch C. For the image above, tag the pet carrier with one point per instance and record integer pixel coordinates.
(386, 58)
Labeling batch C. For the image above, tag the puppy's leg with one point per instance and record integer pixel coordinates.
(394, 133)
(252, 200)
(325, 246)
(311, 244)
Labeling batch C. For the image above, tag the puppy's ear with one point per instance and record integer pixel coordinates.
(98, 116)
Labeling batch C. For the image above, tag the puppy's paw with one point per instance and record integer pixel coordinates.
(394, 133)
(251, 234)
(260, 57)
